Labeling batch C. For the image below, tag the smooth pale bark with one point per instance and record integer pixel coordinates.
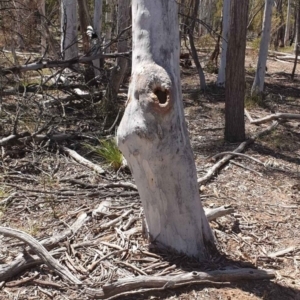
(153, 134)
(121, 66)
(259, 80)
(85, 21)
(225, 26)
(69, 46)
(193, 47)
(108, 24)
(235, 72)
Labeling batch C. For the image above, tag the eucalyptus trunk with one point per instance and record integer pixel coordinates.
(259, 80)
(153, 135)
(69, 45)
(119, 70)
(97, 25)
(287, 24)
(225, 32)
(235, 72)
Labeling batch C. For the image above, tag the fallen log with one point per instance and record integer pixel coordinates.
(135, 285)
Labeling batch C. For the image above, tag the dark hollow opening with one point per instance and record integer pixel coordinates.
(161, 96)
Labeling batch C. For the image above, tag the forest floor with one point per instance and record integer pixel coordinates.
(49, 191)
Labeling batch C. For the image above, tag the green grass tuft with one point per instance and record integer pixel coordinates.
(109, 152)
(254, 101)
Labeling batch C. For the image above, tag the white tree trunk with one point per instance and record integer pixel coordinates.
(259, 80)
(69, 46)
(288, 23)
(153, 134)
(225, 26)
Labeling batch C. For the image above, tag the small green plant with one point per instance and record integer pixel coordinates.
(253, 101)
(109, 152)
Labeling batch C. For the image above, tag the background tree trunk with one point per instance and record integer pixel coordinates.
(297, 39)
(97, 25)
(287, 24)
(121, 66)
(225, 32)
(69, 46)
(153, 134)
(85, 21)
(97, 22)
(193, 48)
(259, 80)
(109, 6)
(235, 72)
(42, 11)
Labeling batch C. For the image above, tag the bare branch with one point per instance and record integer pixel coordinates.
(41, 251)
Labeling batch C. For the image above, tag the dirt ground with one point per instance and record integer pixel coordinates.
(51, 190)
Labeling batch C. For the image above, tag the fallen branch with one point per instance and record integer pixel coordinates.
(54, 240)
(83, 161)
(248, 115)
(9, 199)
(13, 137)
(60, 63)
(135, 284)
(282, 252)
(21, 263)
(211, 172)
(246, 168)
(237, 154)
(41, 251)
(116, 220)
(25, 261)
(214, 213)
(21, 281)
(277, 116)
(125, 185)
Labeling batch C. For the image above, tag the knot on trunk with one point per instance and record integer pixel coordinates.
(153, 88)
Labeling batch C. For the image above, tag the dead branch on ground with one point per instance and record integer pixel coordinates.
(136, 285)
(237, 154)
(82, 160)
(211, 172)
(41, 251)
(214, 213)
(276, 116)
